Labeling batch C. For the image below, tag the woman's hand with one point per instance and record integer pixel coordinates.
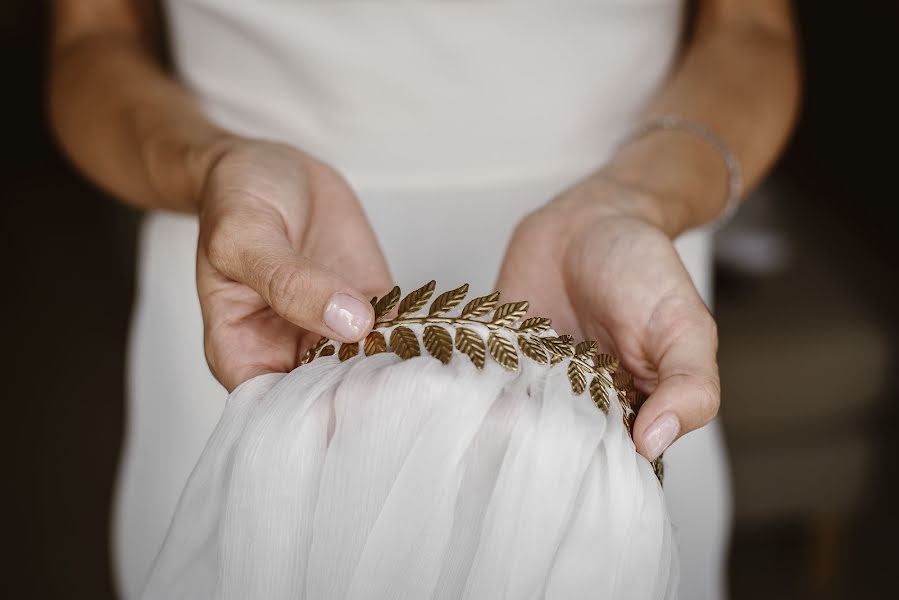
(596, 261)
(285, 255)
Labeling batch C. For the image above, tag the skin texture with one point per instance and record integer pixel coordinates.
(612, 277)
(270, 223)
(607, 240)
(598, 259)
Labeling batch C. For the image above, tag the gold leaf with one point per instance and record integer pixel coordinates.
(404, 343)
(623, 380)
(502, 350)
(535, 324)
(348, 351)
(327, 350)
(623, 401)
(509, 313)
(557, 346)
(310, 354)
(631, 399)
(584, 358)
(438, 343)
(307, 357)
(533, 349)
(416, 300)
(627, 411)
(639, 399)
(587, 347)
(387, 302)
(599, 394)
(480, 306)
(472, 344)
(604, 374)
(375, 343)
(629, 419)
(448, 300)
(606, 361)
(566, 345)
(658, 467)
(576, 377)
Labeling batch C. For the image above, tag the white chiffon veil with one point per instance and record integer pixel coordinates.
(426, 464)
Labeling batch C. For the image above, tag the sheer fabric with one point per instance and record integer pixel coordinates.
(380, 477)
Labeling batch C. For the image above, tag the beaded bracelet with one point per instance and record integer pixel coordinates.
(734, 171)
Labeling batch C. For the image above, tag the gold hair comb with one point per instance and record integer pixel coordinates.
(587, 368)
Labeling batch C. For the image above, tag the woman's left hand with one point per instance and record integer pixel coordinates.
(597, 262)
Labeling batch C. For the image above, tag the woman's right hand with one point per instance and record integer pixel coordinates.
(285, 254)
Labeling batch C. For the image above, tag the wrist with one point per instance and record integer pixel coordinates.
(604, 196)
(200, 161)
(680, 171)
(178, 163)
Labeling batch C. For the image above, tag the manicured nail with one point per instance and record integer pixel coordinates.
(660, 434)
(347, 317)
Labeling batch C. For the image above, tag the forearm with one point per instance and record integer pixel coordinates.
(738, 78)
(126, 124)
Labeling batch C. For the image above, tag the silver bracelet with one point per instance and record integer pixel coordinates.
(734, 171)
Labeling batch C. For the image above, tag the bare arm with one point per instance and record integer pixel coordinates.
(125, 123)
(599, 258)
(267, 288)
(739, 77)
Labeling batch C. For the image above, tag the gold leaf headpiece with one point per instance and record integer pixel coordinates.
(588, 369)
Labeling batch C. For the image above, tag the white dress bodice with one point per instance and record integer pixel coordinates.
(451, 119)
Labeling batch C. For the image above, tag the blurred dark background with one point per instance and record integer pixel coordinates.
(806, 299)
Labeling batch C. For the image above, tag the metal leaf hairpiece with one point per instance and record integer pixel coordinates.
(588, 369)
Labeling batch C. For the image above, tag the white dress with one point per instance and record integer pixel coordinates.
(450, 120)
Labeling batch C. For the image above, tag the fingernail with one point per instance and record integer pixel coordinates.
(347, 317)
(660, 434)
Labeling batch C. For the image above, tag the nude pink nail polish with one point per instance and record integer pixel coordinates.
(661, 434)
(347, 317)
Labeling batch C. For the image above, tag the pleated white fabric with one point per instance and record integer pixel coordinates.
(387, 478)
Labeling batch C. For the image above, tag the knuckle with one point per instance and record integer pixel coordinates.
(678, 313)
(221, 248)
(286, 286)
(709, 397)
(691, 319)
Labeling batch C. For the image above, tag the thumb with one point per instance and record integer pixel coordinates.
(688, 392)
(300, 290)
